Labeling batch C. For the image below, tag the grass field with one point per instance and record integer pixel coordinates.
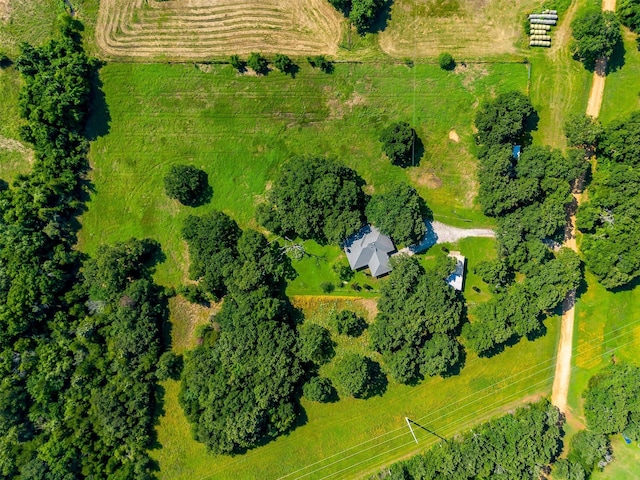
(240, 129)
(469, 29)
(207, 29)
(352, 438)
(622, 93)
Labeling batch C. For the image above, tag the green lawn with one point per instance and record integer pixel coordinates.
(240, 129)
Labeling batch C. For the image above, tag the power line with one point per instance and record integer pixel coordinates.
(463, 406)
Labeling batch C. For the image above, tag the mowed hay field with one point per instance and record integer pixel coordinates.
(240, 129)
(198, 29)
(354, 438)
(464, 28)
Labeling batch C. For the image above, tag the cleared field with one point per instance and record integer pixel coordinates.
(200, 29)
(352, 438)
(464, 28)
(622, 93)
(241, 128)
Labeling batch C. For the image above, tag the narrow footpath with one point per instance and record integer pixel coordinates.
(562, 377)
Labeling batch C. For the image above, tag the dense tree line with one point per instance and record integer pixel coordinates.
(612, 401)
(240, 385)
(78, 350)
(528, 194)
(518, 445)
(610, 219)
(419, 315)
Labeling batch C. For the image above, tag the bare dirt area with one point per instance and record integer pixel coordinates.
(15, 146)
(4, 10)
(469, 28)
(201, 29)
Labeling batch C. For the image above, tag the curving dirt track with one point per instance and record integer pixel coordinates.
(562, 377)
(200, 29)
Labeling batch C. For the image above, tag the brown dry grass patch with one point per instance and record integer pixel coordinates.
(185, 319)
(201, 29)
(469, 28)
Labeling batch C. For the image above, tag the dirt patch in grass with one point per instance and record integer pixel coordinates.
(453, 136)
(426, 179)
(5, 10)
(185, 319)
(196, 29)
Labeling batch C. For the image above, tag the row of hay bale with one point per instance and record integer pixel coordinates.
(540, 28)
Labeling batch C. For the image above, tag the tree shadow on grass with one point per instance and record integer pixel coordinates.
(292, 70)
(377, 380)
(382, 19)
(205, 196)
(617, 61)
(99, 120)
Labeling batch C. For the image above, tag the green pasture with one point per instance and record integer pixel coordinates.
(241, 128)
(352, 438)
(622, 91)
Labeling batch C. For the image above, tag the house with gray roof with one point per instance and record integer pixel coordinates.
(369, 248)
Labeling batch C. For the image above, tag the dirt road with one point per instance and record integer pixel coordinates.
(562, 377)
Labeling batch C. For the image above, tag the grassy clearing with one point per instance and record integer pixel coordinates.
(622, 93)
(32, 21)
(240, 129)
(607, 324)
(352, 437)
(559, 85)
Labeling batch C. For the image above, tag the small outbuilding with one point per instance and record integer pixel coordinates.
(516, 152)
(369, 248)
(456, 279)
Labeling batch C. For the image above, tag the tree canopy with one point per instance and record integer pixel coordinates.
(358, 376)
(611, 401)
(399, 214)
(79, 352)
(415, 329)
(398, 142)
(528, 194)
(361, 13)
(187, 184)
(314, 198)
(628, 12)
(212, 240)
(595, 35)
(503, 120)
(238, 387)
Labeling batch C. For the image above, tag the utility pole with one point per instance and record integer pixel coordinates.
(410, 428)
